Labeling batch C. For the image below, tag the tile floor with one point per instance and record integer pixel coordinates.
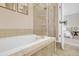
(68, 51)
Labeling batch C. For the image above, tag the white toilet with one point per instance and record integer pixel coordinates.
(67, 34)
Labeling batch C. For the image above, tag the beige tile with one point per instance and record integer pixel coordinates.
(14, 32)
(68, 51)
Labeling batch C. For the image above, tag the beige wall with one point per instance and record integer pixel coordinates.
(14, 32)
(13, 20)
(34, 21)
(13, 23)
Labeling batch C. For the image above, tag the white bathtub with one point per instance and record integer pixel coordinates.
(11, 45)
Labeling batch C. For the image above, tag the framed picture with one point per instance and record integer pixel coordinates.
(12, 6)
(23, 8)
(18, 7)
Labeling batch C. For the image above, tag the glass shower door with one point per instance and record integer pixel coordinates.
(44, 24)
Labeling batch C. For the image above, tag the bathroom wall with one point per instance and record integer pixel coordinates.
(52, 20)
(72, 20)
(70, 8)
(42, 16)
(14, 32)
(13, 23)
(71, 14)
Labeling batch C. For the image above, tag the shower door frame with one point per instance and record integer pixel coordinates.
(61, 26)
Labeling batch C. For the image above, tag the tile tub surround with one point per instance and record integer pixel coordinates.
(27, 50)
(35, 47)
(14, 32)
(48, 50)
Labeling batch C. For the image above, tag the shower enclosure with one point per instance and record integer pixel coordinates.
(44, 19)
(48, 20)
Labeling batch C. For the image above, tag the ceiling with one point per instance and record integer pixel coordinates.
(70, 8)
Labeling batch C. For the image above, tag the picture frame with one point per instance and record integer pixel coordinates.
(11, 6)
(23, 8)
(17, 7)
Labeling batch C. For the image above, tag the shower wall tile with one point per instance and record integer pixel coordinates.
(14, 32)
(40, 19)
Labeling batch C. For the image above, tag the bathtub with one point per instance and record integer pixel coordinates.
(23, 45)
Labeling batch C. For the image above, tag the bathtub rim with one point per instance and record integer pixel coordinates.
(21, 48)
